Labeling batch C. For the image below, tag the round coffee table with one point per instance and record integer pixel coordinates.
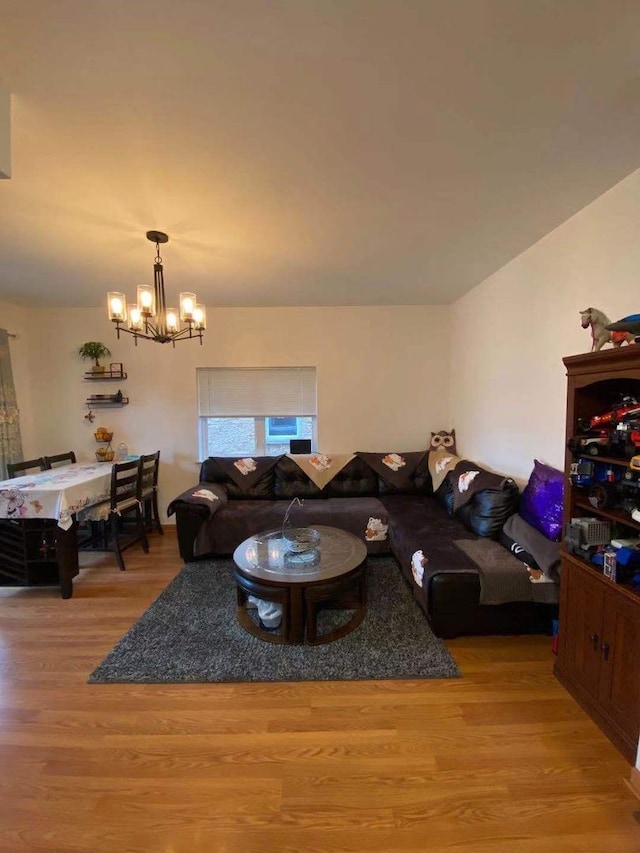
(332, 576)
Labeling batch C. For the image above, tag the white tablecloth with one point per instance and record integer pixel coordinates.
(57, 493)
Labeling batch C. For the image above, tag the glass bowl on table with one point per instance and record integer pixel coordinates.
(301, 539)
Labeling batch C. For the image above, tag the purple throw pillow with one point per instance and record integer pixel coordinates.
(541, 502)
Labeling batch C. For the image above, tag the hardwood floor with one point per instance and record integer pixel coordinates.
(499, 760)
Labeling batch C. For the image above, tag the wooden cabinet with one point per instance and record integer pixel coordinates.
(599, 651)
(599, 645)
(28, 552)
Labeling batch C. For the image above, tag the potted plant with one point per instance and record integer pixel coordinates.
(94, 350)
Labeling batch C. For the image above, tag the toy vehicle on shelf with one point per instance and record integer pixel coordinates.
(629, 408)
(600, 478)
(582, 472)
(615, 432)
(594, 442)
(625, 438)
(585, 536)
(631, 480)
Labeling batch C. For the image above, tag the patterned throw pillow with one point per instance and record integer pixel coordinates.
(542, 499)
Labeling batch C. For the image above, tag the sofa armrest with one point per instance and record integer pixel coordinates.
(203, 500)
(193, 509)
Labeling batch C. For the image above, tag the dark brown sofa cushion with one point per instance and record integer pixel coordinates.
(355, 480)
(258, 484)
(365, 517)
(290, 481)
(399, 473)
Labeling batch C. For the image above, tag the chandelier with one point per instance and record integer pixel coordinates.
(150, 318)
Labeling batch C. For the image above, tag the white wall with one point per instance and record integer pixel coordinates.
(510, 333)
(383, 380)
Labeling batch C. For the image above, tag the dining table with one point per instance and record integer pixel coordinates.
(58, 494)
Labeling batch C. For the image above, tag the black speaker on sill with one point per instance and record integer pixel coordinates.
(300, 445)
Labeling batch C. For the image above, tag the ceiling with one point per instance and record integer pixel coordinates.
(304, 152)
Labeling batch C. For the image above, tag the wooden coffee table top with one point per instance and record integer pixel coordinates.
(266, 557)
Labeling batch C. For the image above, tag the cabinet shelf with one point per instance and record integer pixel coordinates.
(610, 514)
(610, 460)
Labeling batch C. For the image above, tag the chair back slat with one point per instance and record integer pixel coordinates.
(149, 467)
(59, 459)
(125, 485)
(17, 469)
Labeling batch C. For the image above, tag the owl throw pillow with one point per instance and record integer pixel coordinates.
(444, 440)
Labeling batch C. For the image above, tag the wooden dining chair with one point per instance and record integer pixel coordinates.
(17, 469)
(109, 520)
(59, 459)
(149, 467)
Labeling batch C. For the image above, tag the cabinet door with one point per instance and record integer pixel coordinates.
(620, 668)
(582, 622)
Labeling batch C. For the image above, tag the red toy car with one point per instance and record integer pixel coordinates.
(629, 408)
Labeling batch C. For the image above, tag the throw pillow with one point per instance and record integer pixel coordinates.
(444, 440)
(542, 499)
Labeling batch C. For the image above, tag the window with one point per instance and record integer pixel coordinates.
(255, 411)
(283, 428)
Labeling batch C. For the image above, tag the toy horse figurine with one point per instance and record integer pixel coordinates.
(600, 335)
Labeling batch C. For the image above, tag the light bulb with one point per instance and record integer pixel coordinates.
(135, 318)
(187, 305)
(200, 317)
(172, 320)
(146, 300)
(116, 305)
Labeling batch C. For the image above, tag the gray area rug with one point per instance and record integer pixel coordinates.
(190, 634)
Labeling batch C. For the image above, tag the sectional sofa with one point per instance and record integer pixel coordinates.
(388, 500)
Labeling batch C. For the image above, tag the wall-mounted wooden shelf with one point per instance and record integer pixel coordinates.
(115, 371)
(107, 400)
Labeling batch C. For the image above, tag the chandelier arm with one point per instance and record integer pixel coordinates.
(161, 302)
(181, 335)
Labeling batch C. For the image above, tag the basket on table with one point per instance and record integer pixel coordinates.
(105, 454)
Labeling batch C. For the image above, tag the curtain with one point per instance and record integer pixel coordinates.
(10, 441)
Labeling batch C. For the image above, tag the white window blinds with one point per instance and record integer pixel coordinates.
(256, 391)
